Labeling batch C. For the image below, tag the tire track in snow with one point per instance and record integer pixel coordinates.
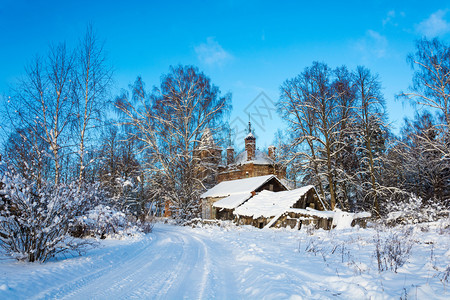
(134, 275)
(189, 280)
(69, 288)
(335, 285)
(206, 268)
(175, 264)
(173, 272)
(224, 284)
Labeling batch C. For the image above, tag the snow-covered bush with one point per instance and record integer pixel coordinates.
(99, 222)
(103, 221)
(202, 223)
(35, 218)
(414, 210)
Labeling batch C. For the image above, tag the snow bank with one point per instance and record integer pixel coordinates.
(214, 262)
(343, 220)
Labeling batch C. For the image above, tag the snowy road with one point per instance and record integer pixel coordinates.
(173, 265)
(230, 263)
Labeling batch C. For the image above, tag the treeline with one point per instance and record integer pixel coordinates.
(339, 139)
(139, 147)
(65, 126)
(60, 127)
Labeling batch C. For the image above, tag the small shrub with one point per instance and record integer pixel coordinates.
(147, 224)
(445, 275)
(147, 227)
(393, 251)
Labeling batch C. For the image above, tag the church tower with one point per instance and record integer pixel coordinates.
(250, 143)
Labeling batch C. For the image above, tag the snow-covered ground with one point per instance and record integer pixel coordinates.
(243, 263)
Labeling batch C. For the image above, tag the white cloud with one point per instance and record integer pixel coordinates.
(390, 16)
(212, 53)
(435, 25)
(373, 44)
(393, 18)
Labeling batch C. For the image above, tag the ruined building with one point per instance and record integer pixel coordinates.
(251, 162)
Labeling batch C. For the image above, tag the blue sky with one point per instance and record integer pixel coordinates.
(245, 47)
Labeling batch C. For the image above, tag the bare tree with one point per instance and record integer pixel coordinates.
(61, 99)
(297, 109)
(336, 123)
(44, 102)
(347, 161)
(371, 120)
(169, 123)
(92, 80)
(429, 134)
(26, 151)
(418, 166)
(120, 171)
(315, 112)
(431, 80)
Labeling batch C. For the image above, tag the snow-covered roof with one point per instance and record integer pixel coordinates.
(269, 204)
(261, 158)
(250, 136)
(232, 201)
(239, 186)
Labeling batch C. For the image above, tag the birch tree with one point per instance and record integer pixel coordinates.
(92, 80)
(44, 103)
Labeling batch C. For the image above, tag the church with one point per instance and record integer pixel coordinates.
(251, 162)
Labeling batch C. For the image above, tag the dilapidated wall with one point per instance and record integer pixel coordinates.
(259, 222)
(311, 200)
(208, 211)
(249, 170)
(297, 220)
